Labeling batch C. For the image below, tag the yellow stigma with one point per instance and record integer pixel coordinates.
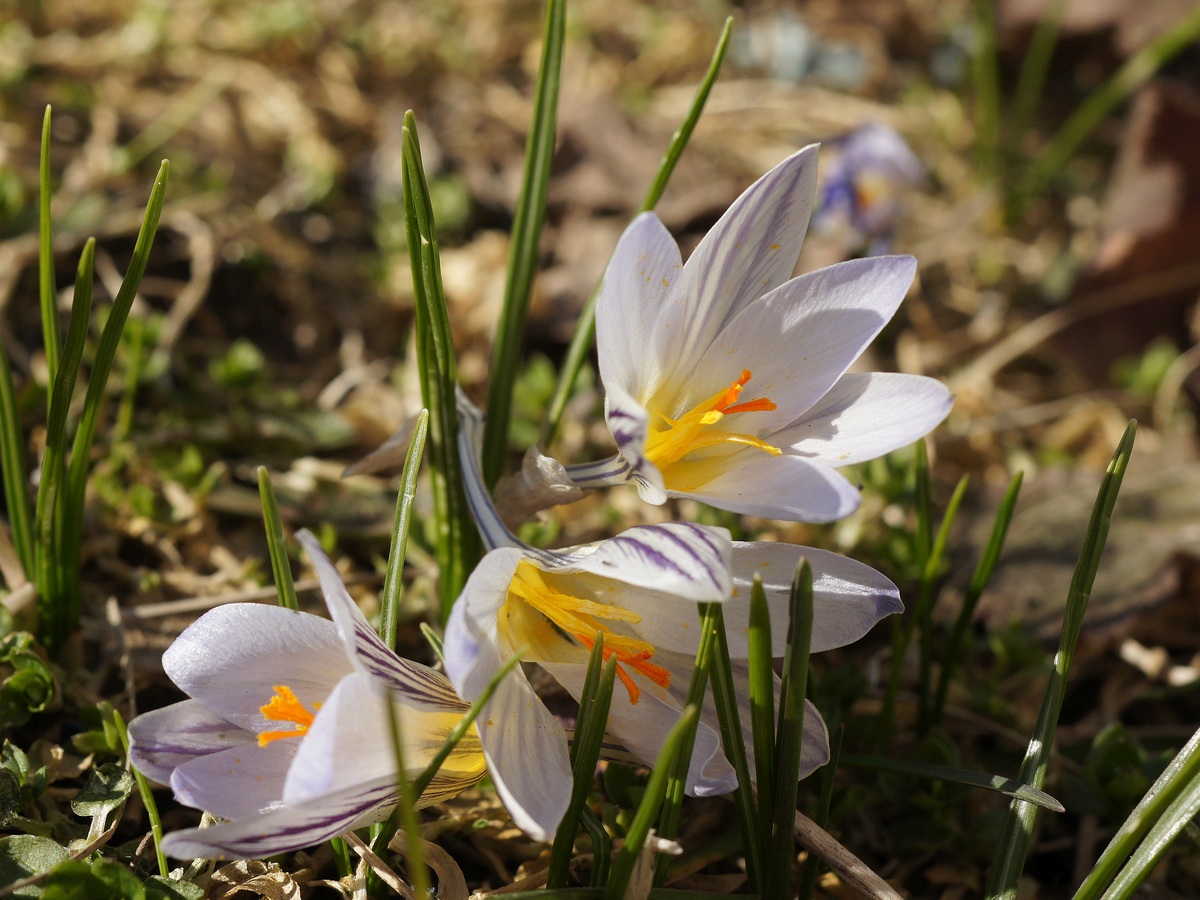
(669, 445)
(285, 706)
(581, 619)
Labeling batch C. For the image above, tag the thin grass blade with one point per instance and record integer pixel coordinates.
(585, 328)
(926, 596)
(12, 468)
(762, 706)
(790, 736)
(585, 753)
(106, 351)
(55, 613)
(406, 810)
(457, 545)
(669, 821)
(47, 288)
(393, 582)
(1013, 845)
(1181, 774)
(601, 847)
(1032, 78)
(524, 250)
(985, 80)
(281, 567)
(147, 795)
(979, 582)
(812, 865)
(652, 801)
(1010, 787)
(733, 742)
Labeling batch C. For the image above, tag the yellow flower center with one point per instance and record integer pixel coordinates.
(673, 446)
(285, 706)
(584, 619)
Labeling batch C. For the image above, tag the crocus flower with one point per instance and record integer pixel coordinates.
(726, 379)
(286, 734)
(641, 590)
(861, 190)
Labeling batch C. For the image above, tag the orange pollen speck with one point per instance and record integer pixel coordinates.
(285, 706)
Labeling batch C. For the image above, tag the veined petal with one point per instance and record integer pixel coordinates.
(799, 339)
(534, 786)
(418, 684)
(778, 487)
(287, 827)
(866, 415)
(162, 739)
(237, 782)
(231, 657)
(687, 561)
(628, 421)
(350, 742)
(849, 598)
(751, 250)
(641, 275)
(642, 727)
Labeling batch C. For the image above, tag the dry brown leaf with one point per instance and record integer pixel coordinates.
(262, 879)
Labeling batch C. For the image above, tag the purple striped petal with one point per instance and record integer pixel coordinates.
(419, 684)
(288, 827)
(163, 739)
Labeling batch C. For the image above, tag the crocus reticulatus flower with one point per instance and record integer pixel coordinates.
(641, 590)
(862, 188)
(726, 379)
(286, 734)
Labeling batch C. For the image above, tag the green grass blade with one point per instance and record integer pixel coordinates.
(601, 846)
(110, 338)
(281, 566)
(12, 468)
(393, 583)
(669, 821)
(47, 288)
(733, 742)
(457, 545)
(133, 375)
(1181, 774)
(1031, 80)
(926, 596)
(585, 329)
(585, 753)
(790, 737)
(406, 811)
(56, 620)
(1017, 833)
(524, 248)
(762, 704)
(979, 582)
(1136, 70)
(652, 801)
(812, 865)
(1010, 787)
(147, 796)
(985, 78)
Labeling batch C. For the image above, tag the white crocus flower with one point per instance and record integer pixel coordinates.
(286, 734)
(641, 589)
(726, 379)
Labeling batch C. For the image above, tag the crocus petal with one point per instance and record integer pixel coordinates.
(534, 786)
(779, 487)
(750, 251)
(231, 657)
(849, 598)
(237, 782)
(687, 561)
(640, 276)
(419, 684)
(642, 727)
(799, 339)
(165, 738)
(866, 415)
(629, 423)
(287, 827)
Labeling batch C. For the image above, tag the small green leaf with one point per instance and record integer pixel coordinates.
(160, 888)
(23, 856)
(100, 880)
(281, 567)
(107, 788)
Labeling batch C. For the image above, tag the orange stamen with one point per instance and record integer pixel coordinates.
(285, 706)
(638, 661)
